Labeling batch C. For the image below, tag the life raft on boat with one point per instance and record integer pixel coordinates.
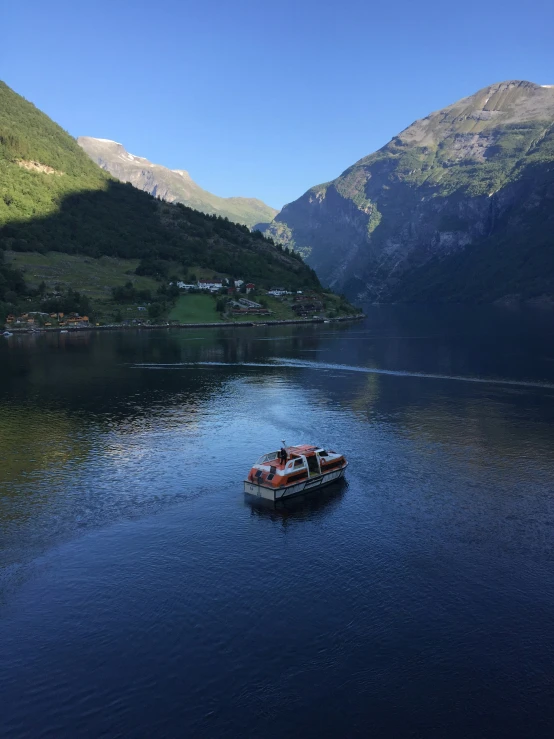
(303, 468)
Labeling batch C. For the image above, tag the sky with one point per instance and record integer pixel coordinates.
(261, 98)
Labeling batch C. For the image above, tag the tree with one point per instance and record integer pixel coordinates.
(155, 310)
(173, 291)
(154, 267)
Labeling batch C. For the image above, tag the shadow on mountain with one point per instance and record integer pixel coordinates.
(426, 246)
(121, 221)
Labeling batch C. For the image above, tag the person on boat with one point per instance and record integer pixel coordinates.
(283, 455)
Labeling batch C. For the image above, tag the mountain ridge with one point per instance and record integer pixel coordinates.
(475, 178)
(171, 185)
(67, 204)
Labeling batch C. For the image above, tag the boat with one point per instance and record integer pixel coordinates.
(293, 470)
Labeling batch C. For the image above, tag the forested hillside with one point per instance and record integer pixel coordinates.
(54, 198)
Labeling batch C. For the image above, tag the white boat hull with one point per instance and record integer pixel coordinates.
(317, 481)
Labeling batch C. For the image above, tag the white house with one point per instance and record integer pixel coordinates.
(211, 286)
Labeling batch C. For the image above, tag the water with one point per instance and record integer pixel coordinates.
(141, 594)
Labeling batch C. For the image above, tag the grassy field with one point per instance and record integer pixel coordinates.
(92, 277)
(195, 309)
(95, 278)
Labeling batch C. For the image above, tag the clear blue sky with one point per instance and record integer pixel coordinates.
(264, 99)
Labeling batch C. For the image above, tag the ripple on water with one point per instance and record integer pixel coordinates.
(143, 594)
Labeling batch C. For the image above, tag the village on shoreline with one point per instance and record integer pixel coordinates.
(80, 328)
(207, 303)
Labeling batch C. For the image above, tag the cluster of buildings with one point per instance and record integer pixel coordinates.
(215, 285)
(307, 306)
(36, 319)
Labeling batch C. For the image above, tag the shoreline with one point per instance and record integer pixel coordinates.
(150, 327)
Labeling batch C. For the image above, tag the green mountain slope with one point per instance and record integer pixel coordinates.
(459, 206)
(53, 198)
(172, 185)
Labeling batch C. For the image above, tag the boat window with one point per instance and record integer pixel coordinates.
(323, 453)
(268, 457)
(270, 477)
(259, 473)
(272, 470)
(298, 463)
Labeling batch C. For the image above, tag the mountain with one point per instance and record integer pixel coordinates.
(53, 198)
(172, 185)
(457, 207)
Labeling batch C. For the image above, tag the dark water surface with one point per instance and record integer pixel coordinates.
(142, 595)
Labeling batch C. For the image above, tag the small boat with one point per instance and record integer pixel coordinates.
(293, 470)
(7, 334)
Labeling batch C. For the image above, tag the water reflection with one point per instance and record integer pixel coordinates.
(122, 459)
(309, 506)
(88, 429)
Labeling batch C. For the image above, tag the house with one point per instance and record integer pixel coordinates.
(238, 283)
(248, 307)
(277, 291)
(306, 307)
(250, 286)
(74, 319)
(213, 287)
(249, 303)
(141, 307)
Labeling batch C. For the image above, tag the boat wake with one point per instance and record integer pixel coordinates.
(284, 363)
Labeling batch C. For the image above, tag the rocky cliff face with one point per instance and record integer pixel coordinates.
(459, 206)
(172, 185)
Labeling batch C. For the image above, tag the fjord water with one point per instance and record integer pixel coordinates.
(141, 593)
